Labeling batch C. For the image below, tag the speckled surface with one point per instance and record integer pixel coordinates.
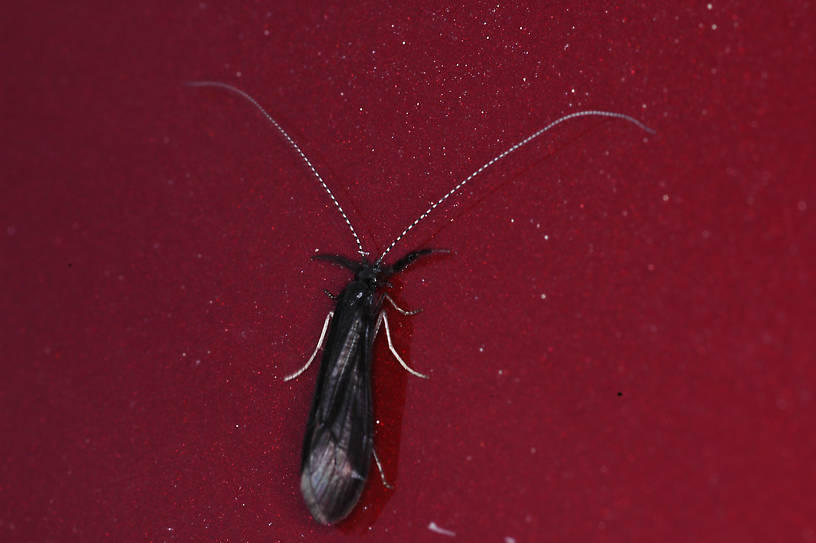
(620, 346)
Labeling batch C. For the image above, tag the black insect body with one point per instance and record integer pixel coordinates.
(339, 439)
(338, 445)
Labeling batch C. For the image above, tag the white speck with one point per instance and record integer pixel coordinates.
(709, 6)
(434, 527)
(665, 197)
(183, 354)
(543, 296)
(403, 42)
(237, 74)
(481, 349)
(266, 32)
(509, 539)
(501, 372)
(236, 426)
(714, 26)
(512, 220)
(566, 47)
(546, 237)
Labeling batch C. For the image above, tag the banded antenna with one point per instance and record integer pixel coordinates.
(294, 146)
(511, 149)
(451, 192)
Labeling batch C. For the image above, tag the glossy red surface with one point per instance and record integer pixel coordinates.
(620, 347)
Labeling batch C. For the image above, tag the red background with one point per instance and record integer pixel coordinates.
(156, 280)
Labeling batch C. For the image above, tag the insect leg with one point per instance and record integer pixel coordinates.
(329, 294)
(380, 469)
(401, 310)
(384, 320)
(411, 257)
(317, 348)
(339, 260)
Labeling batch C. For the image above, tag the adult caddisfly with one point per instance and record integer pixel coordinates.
(339, 442)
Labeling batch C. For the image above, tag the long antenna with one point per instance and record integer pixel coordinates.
(292, 143)
(506, 152)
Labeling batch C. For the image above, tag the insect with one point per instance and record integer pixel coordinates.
(339, 442)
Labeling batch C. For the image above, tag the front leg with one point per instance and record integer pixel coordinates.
(411, 257)
(339, 260)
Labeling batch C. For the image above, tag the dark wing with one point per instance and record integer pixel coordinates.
(339, 435)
